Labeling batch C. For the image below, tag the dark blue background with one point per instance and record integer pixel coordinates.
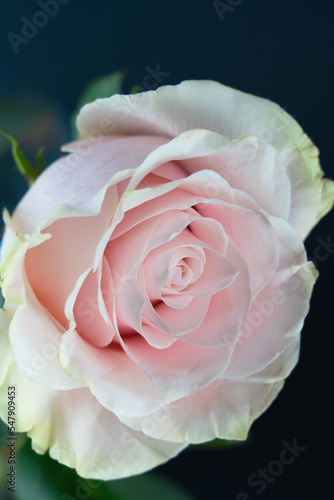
(279, 50)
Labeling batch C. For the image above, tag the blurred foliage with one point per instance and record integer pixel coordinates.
(105, 86)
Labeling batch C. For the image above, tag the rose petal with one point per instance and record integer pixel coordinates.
(182, 368)
(69, 181)
(113, 378)
(49, 261)
(228, 308)
(110, 450)
(171, 110)
(181, 321)
(253, 166)
(6, 316)
(225, 409)
(35, 341)
(280, 309)
(92, 320)
(154, 330)
(253, 235)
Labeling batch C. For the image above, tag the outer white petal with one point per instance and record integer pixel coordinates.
(81, 433)
(171, 110)
(6, 316)
(225, 409)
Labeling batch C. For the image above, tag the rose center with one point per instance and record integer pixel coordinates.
(185, 268)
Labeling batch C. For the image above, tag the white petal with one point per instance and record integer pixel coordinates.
(225, 409)
(79, 432)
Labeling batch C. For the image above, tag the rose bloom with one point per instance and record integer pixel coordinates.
(155, 279)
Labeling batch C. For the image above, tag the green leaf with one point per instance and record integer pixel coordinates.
(216, 444)
(25, 167)
(105, 86)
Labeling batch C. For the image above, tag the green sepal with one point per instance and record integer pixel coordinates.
(136, 89)
(25, 167)
(39, 158)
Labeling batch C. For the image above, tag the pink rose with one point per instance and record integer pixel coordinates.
(156, 280)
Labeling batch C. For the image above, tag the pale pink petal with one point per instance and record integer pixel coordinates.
(89, 307)
(125, 254)
(180, 195)
(153, 329)
(113, 378)
(182, 368)
(175, 299)
(277, 315)
(217, 275)
(253, 235)
(156, 337)
(252, 166)
(51, 270)
(181, 321)
(228, 308)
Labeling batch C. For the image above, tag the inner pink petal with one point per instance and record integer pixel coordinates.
(180, 369)
(154, 330)
(169, 171)
(181, 321)
(189, 261)
(228, 308)
(88, 309)
(54, 266)
(254, 236)
(217, 274)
